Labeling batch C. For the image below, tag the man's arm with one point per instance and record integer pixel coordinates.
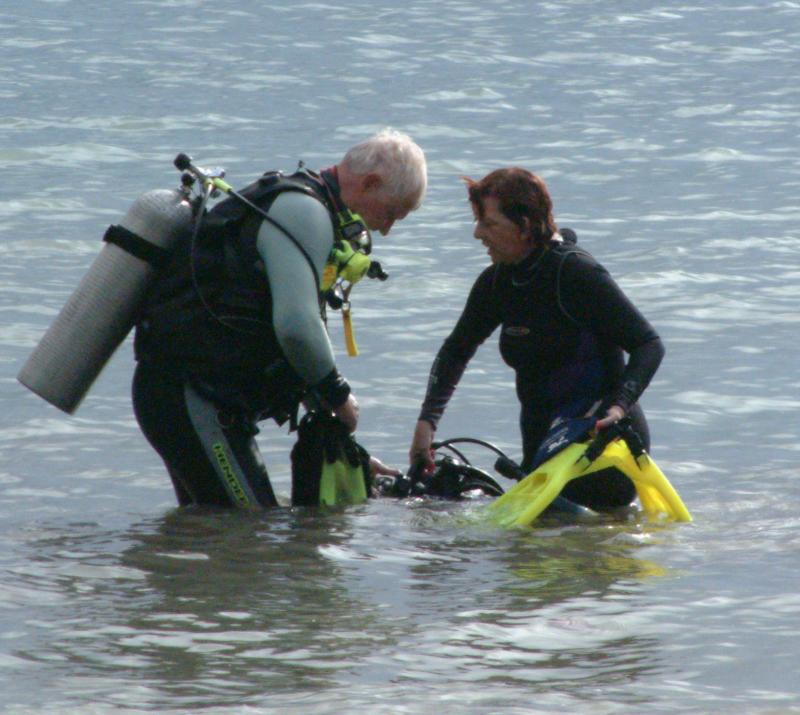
(296, 316)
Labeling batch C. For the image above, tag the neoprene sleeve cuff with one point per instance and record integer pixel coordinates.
(432, 421)
(642, 365)
(333, 389)
(627, 395)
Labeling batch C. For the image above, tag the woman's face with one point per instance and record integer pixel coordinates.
(504, 241)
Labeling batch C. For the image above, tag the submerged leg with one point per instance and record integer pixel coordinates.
(605, 490)
(211, 455)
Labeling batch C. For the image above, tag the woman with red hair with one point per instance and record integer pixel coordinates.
(565, 328)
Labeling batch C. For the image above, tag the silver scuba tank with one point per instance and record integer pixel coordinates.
(103, 308)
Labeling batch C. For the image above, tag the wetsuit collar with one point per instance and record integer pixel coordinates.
(523, 271)
(330, 181)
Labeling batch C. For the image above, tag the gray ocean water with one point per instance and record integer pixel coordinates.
(668, 134)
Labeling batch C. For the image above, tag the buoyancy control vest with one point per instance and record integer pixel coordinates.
(208, 316)
(579, 367)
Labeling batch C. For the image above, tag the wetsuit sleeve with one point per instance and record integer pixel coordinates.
(591, 297)
(296, 315)
(477, 322)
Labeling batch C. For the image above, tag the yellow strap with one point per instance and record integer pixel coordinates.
(349, 338)
(328, 276)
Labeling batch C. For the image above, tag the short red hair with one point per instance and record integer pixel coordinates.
(521, 195)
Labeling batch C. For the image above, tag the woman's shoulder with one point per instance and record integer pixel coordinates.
(488, 276)
(570, 258)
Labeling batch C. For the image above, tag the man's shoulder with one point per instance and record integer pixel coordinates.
(307, 221)
(300, 207)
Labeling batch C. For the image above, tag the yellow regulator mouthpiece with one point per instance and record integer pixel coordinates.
(344, 263)
(355, 268)
(347, 264)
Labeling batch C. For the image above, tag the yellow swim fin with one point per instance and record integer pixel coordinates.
(657, 496)
(342, 483)
(525, 501)
(521, 504)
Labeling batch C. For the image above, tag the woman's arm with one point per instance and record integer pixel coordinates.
(592, 298)
(478, 320)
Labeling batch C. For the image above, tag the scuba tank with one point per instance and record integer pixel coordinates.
(103, 308)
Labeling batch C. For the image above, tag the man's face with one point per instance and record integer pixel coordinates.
(379, 209)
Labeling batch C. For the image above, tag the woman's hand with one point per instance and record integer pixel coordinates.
(377, 467)
(614, 414)
(420, 450)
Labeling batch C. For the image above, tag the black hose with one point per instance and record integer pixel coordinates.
(468, 440)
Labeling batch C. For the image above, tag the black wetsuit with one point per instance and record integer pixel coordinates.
(564, 326)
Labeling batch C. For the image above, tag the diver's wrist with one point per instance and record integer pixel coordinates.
(332, 389)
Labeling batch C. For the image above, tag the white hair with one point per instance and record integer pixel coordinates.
(396, 159)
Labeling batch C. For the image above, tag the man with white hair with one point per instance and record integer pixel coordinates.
(234, 332)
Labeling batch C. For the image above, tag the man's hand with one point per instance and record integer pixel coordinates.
(347, 413)
(376, 467)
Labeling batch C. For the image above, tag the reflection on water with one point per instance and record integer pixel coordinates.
(196, 608)
(203, 608)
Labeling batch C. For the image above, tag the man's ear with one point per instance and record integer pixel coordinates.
(371, 182)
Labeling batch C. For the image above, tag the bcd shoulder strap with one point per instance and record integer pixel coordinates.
(229, 214)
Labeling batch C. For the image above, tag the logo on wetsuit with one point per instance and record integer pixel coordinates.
(517, 331)
(229, 474)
